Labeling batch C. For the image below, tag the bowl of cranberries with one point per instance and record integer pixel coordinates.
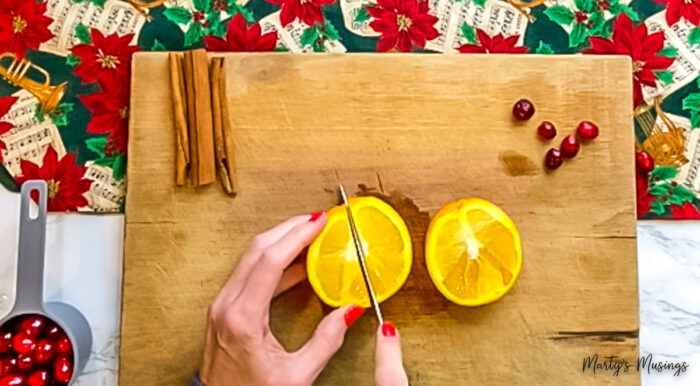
(41, 344)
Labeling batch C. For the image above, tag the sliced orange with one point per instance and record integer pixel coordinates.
(473, 252)
(332, 265)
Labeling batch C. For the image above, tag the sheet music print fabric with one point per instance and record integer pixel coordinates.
(84, 48)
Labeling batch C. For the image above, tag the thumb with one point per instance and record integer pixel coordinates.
(327, 338)
(389, 369)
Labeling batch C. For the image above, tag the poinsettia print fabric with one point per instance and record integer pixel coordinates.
(74, 134)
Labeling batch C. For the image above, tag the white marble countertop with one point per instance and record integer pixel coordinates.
(84, 268)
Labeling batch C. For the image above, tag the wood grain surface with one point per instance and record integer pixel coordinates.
(419, 131)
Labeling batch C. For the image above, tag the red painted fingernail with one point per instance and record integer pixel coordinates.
(388, 329)
(352, 314)
(315, 216)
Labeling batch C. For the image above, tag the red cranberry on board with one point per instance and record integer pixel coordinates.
(569, 147)
(8, 364)
(523, 110)
(62, 369)
(38, 378)
(644, 162)
(587, 130)
(5, 342)
(33, 325)
(553, 159)
(64, 347)
(25, 362)
(23, 343)
(12, 380)
(45, 351)
(546, 130)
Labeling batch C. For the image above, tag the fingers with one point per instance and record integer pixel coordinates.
(327, 339)
(291, 277)
(266, 274)
(389, 369)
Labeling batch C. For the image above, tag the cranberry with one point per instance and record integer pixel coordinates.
(581, 17)
(38, 378)
(523, 110)
(64, 346)
(5, 342)
(25, 362)
(55, 332)
(569, 147)
(62, 369)
(45, 351)
(644, 162)
(8, 365)
(33, 325)
(546, 130)
(12, 380)
(23, 343)
(587, 131)
(553, 159)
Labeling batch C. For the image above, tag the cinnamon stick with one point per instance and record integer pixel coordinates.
(219, 146)
(206, 165)
(181, 136)
(228, 134)
(191, 116)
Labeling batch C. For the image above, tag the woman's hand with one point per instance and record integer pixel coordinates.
(240, 349)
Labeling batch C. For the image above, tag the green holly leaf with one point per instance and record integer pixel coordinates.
(692, 102)
(663, 173)
(59, 115)
(119, 167)
(309, 36)
(330, 31)
(683, 193)
(158, 46)
(584, 5)
(469, 33)
(666, 77)
(178, 15)
(39, 112)
(72, 60)
(559, 14)
(96, 145)
(578, 35)
(480, 3)
(597, 21)
(668, 52)
(694, 36)
(675, 200)
(193, 35)
(658, 208)
(694, 119)
(616, 8)
(659, 190)
(202, 5)
(234, 8)
(362, 15)
(104, 161)
(544, 48)
(83, 34)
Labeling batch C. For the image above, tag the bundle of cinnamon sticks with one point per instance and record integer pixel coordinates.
(203, 137)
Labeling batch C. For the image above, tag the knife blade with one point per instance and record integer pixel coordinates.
(361, 257)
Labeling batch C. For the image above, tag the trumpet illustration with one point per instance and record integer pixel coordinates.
(666, 147)
(17, 73)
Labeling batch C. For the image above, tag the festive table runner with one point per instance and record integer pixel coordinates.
(65, 67)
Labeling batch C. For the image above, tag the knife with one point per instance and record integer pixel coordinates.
(361, 257)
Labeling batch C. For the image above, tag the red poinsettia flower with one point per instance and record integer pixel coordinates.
(5, 104)
(403, 24)
(110, 114)
(308, 11)
(687, 211)
(23, 25)
(241, 38)
(493, 45)
(677, 9)
(106, 60)
(64, 178)
(640, 46)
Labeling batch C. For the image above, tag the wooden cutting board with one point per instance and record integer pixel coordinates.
(420, 131)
